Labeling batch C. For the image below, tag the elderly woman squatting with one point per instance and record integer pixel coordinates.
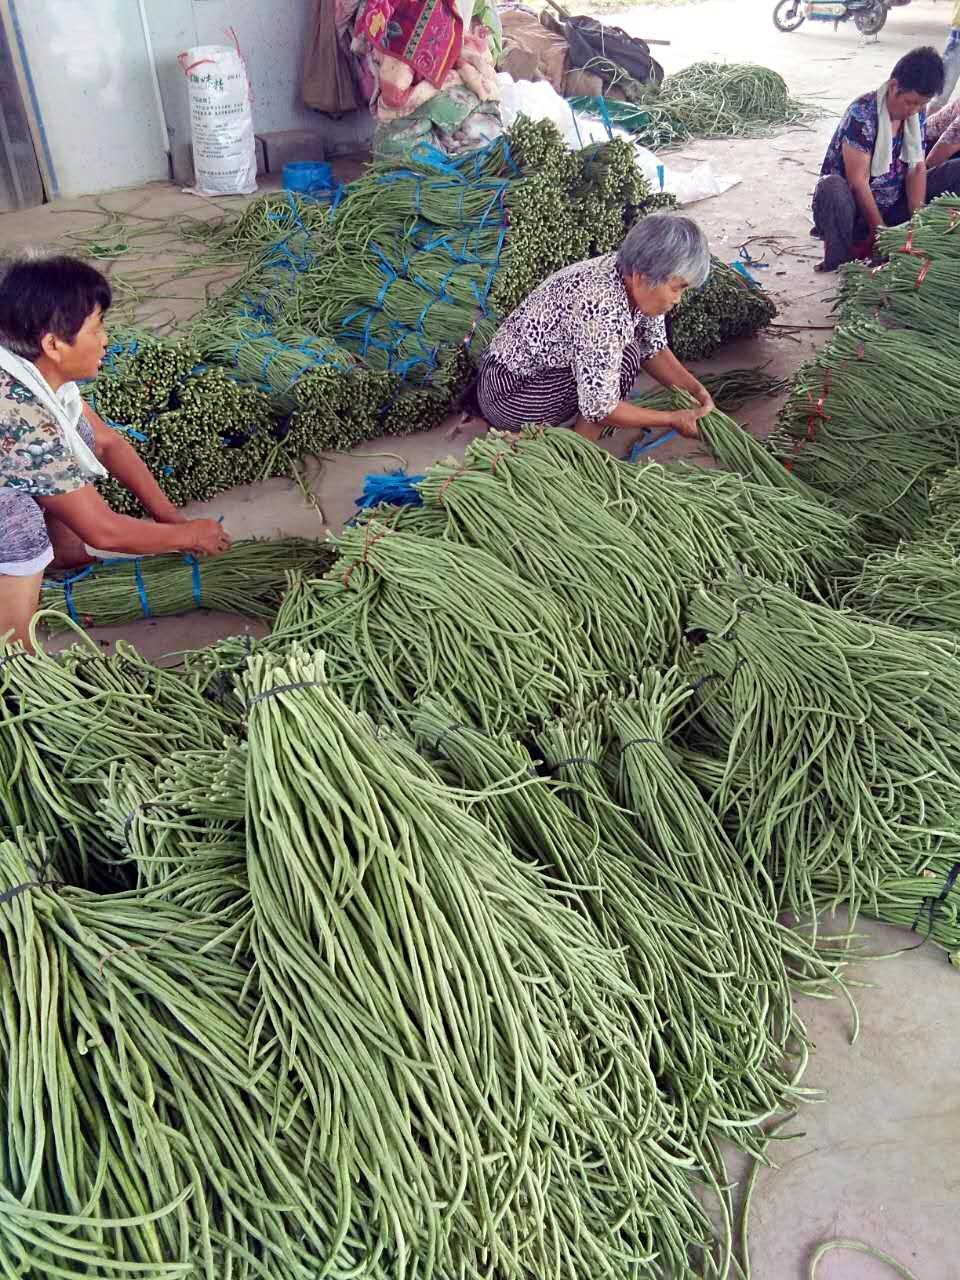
(571, 352)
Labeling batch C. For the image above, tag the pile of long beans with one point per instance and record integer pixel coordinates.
(146, 1136)
(272, 358)
(491, 1057)
(918, 585)
(872, 446)
(723, 309)
(406, 277)
(638, 866)
(68, 719)
(401, 614)
(913, 291)
(530, 514)
(846, 707)
(933, 231)
(718, 519)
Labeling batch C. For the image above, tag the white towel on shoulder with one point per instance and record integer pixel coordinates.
(912, 150)
(64, 406)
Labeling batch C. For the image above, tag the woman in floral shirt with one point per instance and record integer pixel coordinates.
(52, 446)
(572, 351)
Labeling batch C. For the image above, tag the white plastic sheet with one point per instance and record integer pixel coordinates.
(538, 100)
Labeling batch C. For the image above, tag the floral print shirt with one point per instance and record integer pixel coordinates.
(944, 125)
(579, 319)
(858, 129)
(33, 458)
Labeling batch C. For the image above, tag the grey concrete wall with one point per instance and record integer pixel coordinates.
(95, 103)
(271, 37)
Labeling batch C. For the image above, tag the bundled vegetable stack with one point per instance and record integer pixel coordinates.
(201, 431)
(705, 100)
(365, 319)
(726, 307)
(502, 556)
(529, 1087)
(873, 448)
(870, 710)
(249, 579)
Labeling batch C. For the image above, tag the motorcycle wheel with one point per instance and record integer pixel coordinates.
(870, 22)
(788, 15)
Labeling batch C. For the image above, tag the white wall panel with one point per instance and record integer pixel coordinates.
(93, 91)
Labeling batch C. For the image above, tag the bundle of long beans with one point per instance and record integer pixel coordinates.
(719, 518)
(635, 867)
(872, 447)
(492, 1058)
(139, 376)
(527, 513)
(726, 307)
(737, 1083)
(806, 706)
(400, 615)
(737, 449)
(210, 434)
(249, 579)
(918, 585)
(145, 1137)
(271, 358)
(928, 904)
(271, 217)
(933, 231)
(916, 292)
(68, 719)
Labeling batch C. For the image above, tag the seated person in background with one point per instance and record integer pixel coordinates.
(53, 446)
(943, 134)
(875, 172)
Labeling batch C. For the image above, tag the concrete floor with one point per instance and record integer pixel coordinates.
(879, 1161)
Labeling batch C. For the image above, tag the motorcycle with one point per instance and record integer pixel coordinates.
(868, 15)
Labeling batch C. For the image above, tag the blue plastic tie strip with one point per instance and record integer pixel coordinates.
(644, 445)
(194, 563)
(67, 584)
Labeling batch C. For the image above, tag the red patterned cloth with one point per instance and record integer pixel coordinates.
(425, 34)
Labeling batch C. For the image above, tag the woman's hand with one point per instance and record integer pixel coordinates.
(703, 397)
(685, 421)
(205, 537)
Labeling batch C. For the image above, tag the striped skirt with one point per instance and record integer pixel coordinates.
(509, 400)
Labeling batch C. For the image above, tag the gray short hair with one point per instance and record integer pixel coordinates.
(662, 246)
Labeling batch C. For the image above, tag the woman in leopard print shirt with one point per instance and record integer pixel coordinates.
(572, 351)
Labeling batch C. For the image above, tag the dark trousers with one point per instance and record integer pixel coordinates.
(841, 225)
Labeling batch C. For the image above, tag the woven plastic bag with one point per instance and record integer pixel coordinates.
(221, 121)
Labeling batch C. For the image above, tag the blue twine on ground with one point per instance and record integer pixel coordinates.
(394, 488)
